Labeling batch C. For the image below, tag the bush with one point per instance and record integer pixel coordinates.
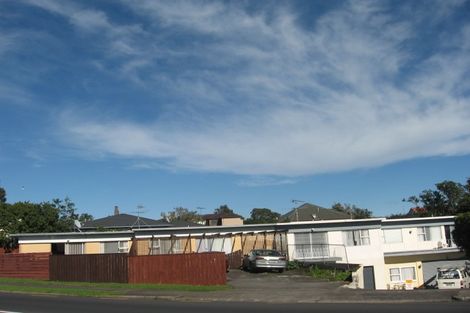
(329, 274)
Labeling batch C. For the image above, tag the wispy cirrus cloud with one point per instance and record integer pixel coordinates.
(258, 93)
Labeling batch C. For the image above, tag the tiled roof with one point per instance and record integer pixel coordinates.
(310, 212)
(124, 221)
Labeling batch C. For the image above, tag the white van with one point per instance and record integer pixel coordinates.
(452, 278)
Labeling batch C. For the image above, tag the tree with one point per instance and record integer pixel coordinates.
(182, 214)
(449, 198)
(262, 216)
(26, 217)
(85, 217)
(353, 211)
(461, 233)
(223, 209)
(45, 217)
(3, 195)
(67, 213)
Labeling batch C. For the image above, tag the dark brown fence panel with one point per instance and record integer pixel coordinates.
(89, 268)
(189, 269)
(235, 259)
(25, 265)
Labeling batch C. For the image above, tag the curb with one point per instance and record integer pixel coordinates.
(460, 298)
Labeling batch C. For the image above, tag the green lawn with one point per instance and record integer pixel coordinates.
(85, 289)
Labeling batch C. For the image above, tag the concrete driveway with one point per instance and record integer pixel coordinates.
(268, 282)
(290, 287)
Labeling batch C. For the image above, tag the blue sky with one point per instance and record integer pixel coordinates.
(245, 103)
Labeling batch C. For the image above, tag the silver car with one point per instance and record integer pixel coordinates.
(264, 259)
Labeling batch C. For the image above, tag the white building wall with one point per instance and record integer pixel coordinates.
(368, 255)
(411, 243)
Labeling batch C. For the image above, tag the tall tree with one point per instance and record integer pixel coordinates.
(26, 217)
(3, 195)
(449, 198)
(461, 233)
(262, 216)
(353, 211)
(182, 214)
(67, 213)
(223, 209)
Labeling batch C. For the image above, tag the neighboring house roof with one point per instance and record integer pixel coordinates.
(310, 212)
(181, 223)
(222, 215)
(124, 221)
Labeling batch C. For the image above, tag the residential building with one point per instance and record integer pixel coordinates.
(381, 253)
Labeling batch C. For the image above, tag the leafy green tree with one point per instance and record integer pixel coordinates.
(449, 198)
(223, 209)
(67, 213)
(353, 211)
(461, 233)
(85, 217)
(45, 217)
(26, 217)
(3, 195)
(262, 216)
(182, 214)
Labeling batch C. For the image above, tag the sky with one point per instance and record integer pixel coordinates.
(252, 104)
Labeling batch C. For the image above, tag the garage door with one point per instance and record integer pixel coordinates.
(430, 268)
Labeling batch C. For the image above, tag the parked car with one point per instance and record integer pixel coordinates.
(452, 278)
(264, 259)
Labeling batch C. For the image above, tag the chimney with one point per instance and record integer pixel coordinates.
(116, 210)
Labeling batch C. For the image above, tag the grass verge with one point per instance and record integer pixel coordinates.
(85, 289)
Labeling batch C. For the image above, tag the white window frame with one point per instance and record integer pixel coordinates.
(421, 233)
(122, 246)
(311, 245)
(397, 272)
(77, 247)
(360, 237)
(425, 233)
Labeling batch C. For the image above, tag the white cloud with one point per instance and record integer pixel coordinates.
(262, 95)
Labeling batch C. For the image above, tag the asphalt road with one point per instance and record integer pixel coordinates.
(23, 303)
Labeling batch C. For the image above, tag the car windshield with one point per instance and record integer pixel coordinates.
(448, 274)
(267, 253)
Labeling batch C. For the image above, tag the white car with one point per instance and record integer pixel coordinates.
(453, 278)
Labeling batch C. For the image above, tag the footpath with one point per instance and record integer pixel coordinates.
(263, 288)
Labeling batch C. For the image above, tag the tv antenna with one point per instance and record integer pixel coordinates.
(296, 202)
(139, 222)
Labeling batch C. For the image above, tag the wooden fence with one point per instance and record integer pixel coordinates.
(191, 269)
(25, 265)
(89, 268)
(235, 259)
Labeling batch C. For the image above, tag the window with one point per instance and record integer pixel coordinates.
(392, 235)
(311, 245)
(165, 246)
(401, 274)
(219, 244)
(154, 246)
(429, 233)
(115, 247)
(123, 246)
(408, 273)
(357, 237)
(74, 248)
(395, 274)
